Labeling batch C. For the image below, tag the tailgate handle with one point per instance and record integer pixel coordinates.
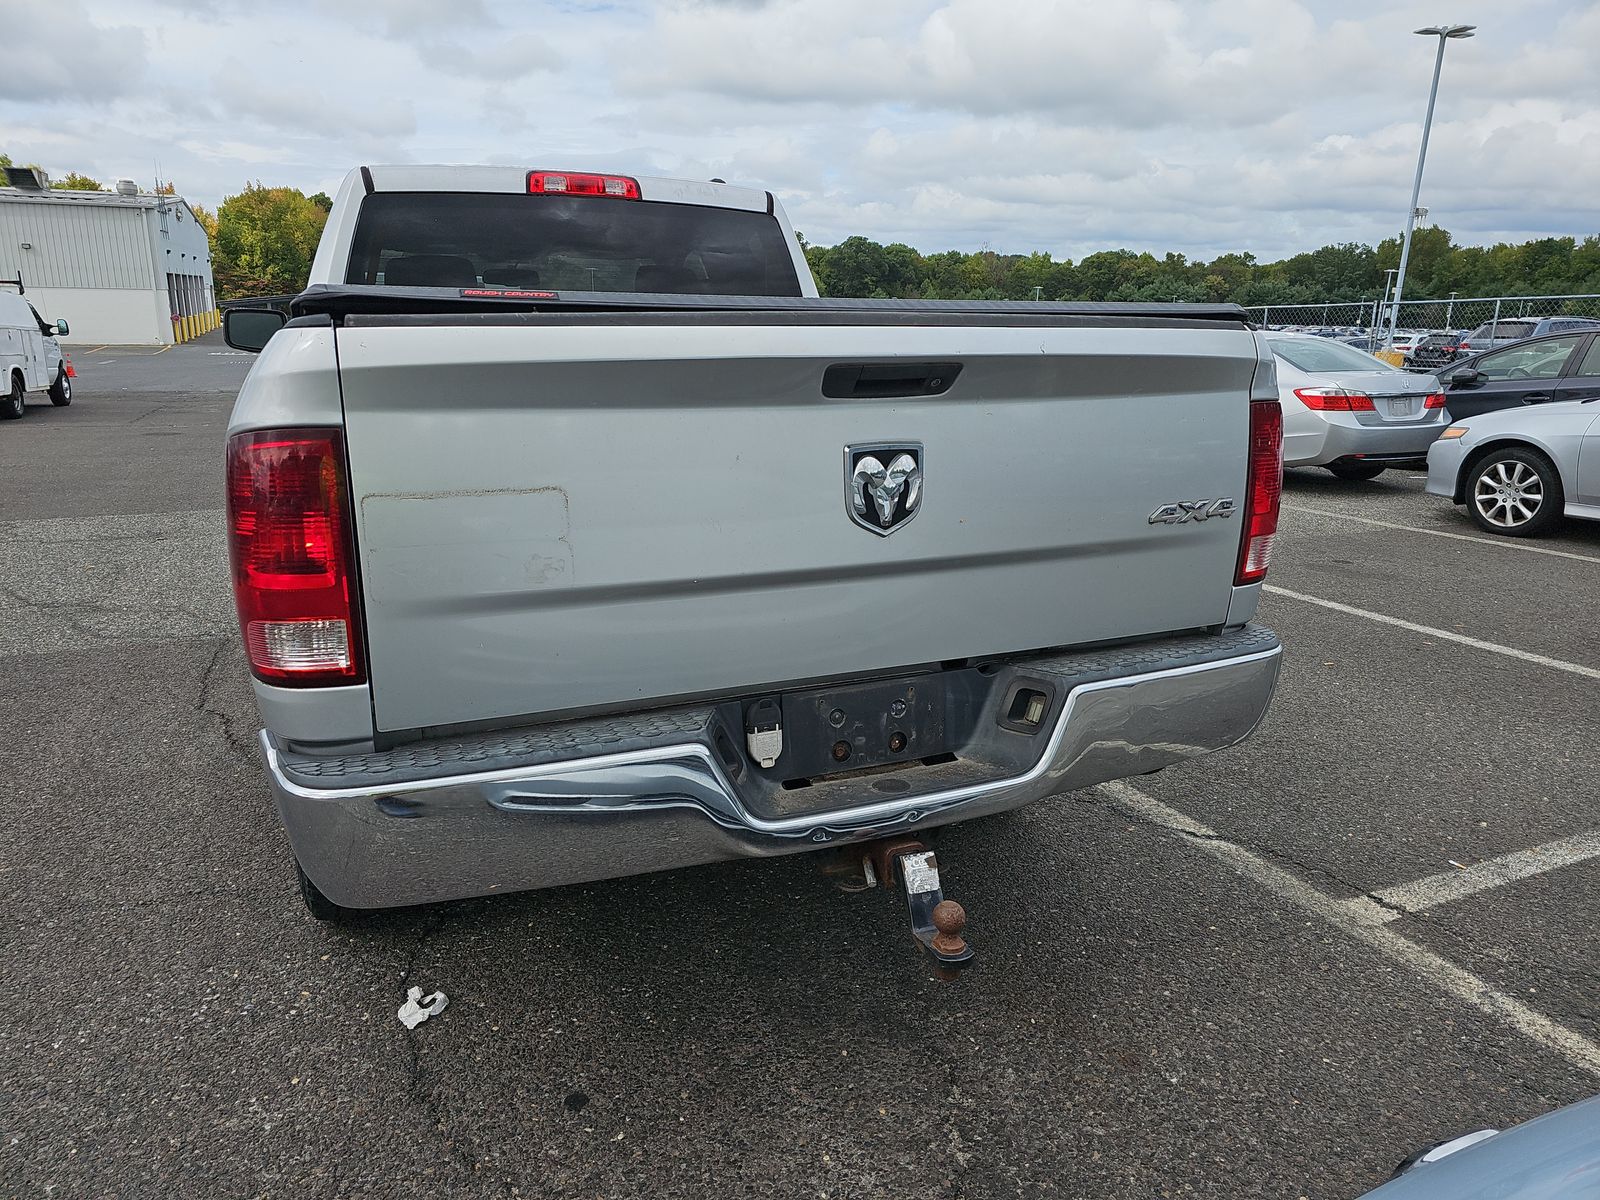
(847, 381)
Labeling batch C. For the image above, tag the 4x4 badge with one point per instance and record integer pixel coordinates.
(1184, 511)
(883, 484)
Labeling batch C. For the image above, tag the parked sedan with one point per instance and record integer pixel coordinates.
(1520, 470)
(1562, 366)
(1434, 351)
(1350, 412)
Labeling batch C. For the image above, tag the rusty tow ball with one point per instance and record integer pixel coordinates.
(936, 923)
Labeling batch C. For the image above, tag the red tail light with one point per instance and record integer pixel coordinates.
(1263, 485)
(290, 543)
(568, 183)
(1333, 399)
(1433, 400)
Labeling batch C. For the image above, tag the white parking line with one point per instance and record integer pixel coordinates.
(1443, 634)
(1422, 894)
(1501, 543)
(1363, 920)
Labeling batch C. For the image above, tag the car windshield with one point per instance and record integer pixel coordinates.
(1318, 356)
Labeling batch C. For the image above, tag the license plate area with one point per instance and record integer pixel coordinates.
(1403, 407)
(867, 725)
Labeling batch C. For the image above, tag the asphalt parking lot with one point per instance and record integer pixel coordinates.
(1224, 981)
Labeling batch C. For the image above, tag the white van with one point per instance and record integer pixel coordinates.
(30, 358)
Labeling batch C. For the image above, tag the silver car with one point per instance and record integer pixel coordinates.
(1553, 1157)
(1518, 470)
(1350, 412)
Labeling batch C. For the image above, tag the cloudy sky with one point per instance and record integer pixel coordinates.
(1267, 125)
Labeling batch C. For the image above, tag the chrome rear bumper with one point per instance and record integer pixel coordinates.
(393, 829)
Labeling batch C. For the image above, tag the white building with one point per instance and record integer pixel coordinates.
(123, 267)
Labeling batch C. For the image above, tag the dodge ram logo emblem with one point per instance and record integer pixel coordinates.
(883, 484)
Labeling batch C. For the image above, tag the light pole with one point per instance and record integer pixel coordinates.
(1448, 310)
(1444, 33)
(1377, 321)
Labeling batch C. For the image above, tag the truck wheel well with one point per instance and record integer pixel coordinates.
(1479, 453)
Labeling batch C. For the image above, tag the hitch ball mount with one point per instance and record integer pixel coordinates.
(936, 923)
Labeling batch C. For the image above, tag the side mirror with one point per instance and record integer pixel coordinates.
(1464, 377)
(251, 328)
(61, 328)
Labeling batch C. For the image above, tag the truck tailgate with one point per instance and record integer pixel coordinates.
(589, 511)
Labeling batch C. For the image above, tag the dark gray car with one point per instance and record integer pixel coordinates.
(1561, 366)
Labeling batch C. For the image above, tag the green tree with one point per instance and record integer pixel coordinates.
(75, 181)
(1430, 252)
(207, 219)
(266, 238)
(1345, 272)
(1102, 273)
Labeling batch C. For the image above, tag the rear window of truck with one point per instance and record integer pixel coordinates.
(568, 243)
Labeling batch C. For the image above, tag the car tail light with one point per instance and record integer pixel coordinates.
(1335, 399)
(290, 543)
(569, 183)
(1433, 400)
(1263, 485)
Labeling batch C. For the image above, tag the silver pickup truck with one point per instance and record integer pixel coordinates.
(574, 537)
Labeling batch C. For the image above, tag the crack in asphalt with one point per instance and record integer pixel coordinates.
(1271, 854)
(242, 747)
(422, 1096)
(72, 609)
(1279, 858)
(70, 615)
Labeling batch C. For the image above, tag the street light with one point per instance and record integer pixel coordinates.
(1444, 33)
(1377, 318)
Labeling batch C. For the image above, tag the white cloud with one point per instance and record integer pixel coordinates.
(263, 101)
(1264, 125)
(58, 53)
(500, 59)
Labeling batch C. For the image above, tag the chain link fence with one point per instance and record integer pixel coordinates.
(1461, 314)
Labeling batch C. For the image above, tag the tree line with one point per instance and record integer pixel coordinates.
(1349, 271)
(263, 240)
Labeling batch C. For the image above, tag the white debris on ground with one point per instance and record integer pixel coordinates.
(418, 1008)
